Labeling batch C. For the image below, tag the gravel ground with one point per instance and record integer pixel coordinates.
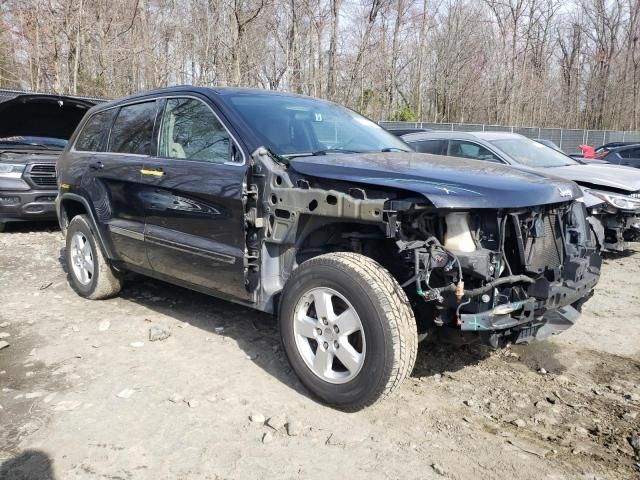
(86, 394)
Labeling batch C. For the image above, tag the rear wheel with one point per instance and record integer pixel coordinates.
(89, 273)
(347, 329)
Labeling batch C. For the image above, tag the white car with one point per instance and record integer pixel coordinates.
(612, 192)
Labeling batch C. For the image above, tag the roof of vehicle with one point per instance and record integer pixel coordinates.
(399, 132)
(612, 145)
(628, 146)
(488, 136)
(206, 91)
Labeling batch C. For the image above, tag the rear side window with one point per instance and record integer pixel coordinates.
(460, 148)
(132, 131)
(94, 134)
(630, 153)
(436, 147)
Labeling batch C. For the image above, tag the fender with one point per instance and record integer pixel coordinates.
(63, 221)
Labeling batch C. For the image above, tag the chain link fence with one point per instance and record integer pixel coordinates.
(568, 140)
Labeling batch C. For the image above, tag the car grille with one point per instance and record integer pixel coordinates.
(635, 195)
(545, 251)
(43, 175)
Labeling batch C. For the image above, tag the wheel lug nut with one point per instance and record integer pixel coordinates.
(325, 345)
(324, 320)
(336, 344)
(336, 329)
(319, 330)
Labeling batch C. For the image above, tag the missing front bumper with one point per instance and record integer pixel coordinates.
(499, 330)
(533, 318)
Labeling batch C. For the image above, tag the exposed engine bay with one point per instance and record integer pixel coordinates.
(499, 273)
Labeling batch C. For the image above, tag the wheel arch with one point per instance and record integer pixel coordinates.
(280, 260)
(68, 206)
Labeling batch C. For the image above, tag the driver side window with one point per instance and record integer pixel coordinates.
(190, 131)
(459, 148)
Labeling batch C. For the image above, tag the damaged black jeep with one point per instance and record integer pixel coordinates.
(303, 208)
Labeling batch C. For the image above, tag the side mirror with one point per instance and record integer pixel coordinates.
(234, 153)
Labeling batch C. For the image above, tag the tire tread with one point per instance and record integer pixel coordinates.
(397, 310)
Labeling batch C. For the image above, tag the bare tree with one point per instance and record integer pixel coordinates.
(521, 62)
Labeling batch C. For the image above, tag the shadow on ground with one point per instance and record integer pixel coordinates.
(631, 249)
(447, 351)
(256, 333)
(30, 227)
(28, 465)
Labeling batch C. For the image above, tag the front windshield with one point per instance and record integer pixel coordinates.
(533, 154)
(47, 143)
(291, 126)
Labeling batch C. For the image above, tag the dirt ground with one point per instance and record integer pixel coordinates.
(85, 394)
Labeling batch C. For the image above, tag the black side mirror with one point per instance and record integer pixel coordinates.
(234, 153)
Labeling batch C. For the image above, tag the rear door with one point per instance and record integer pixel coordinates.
(629, 157)
(114, 178)
(472, 150)
(435, 147)
(195, 229)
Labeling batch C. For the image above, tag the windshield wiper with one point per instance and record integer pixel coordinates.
(280, 158)
(335, 150)
(394, 149)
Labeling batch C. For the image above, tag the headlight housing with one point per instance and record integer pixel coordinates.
(623, 202)
(11, 170)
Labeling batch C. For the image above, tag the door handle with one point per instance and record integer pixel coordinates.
(97, 165)
(157, 173)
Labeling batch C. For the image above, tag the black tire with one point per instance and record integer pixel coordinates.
(387, 322)
(104, 282)
(3, 226)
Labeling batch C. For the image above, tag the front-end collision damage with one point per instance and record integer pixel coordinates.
(507, 274)
(615, 218)
(527, 264)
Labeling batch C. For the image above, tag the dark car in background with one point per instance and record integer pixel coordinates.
(620, 154)
(302, 208)
(34, 129)
(611, 191)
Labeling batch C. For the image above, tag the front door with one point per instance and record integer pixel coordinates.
(193, 200)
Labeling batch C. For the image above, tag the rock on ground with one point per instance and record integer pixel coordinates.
(157, 333)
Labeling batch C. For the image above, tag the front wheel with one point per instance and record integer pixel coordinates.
(347, 329)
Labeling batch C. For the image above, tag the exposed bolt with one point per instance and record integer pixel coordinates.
(325, 321)
(319, 330)
(336, 344)
(325, 345)
(336, 329)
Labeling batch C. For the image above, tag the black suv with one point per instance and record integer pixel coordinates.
(298, 206)
(34, 130)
